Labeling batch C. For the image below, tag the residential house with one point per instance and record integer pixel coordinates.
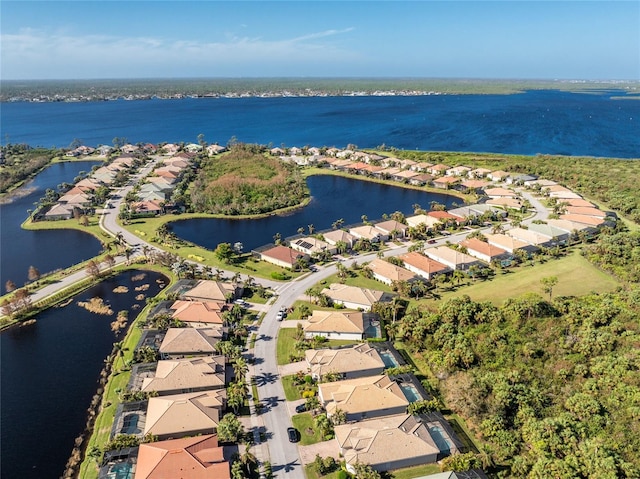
(429, 221)
(532, 237)
(479, 173)
(193, 147)
(585, 210)
(81, 200)
(189, 342)
(423, 265)
(454, 259)
(509, 243)
(361, 398)
(354, 297)
(333, 237)
(150, 208)
(421, 179)
(389, 273)
(215, 149)
(336, 325)
(170, 148)
(484, 251)
(584, 219)
(578, 202)
(572, 226)
(474, 185)
(369, 232)
(209, 290)
(438, 170)
(458, 171)
(176, 376)
(541, 182)
(443, 216)
(392, 228)
(445, 182)
(60, 212)
(283, 256)
(388, 443)
(564, 194)
(558, 235)
(197, 457)
(180, 415)
(310, 246)
(519, 179)
(405, 175)
(500, 193)
(198, 313)
(351, 362)
(498, 175)
(507, 203)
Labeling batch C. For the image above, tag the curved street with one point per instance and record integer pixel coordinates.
(275, 418)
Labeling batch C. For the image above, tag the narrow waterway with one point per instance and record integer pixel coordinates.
(49, 372)
(46, 250)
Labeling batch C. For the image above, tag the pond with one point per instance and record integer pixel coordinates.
(46, 250)
(332, 198)
(49, 373)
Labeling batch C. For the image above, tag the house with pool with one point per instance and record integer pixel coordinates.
(351, 362)
(394, 442)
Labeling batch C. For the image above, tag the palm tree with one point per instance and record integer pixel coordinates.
(248, 459)
(240, 367)
(311, 228)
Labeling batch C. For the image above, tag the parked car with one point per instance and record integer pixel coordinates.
(240, 302)
(293, 434)
(280, 316)
(301, 408)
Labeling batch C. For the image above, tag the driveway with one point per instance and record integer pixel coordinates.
(289, 369)
(324, 449)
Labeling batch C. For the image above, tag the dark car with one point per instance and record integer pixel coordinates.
(301, 408)
(293, 434)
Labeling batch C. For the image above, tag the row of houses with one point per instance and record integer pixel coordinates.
(80, 199)
(379, 431)
(185, 388)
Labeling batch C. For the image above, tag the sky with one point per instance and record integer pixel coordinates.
(508, 39)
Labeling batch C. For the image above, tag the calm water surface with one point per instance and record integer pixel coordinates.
(46, 250)
(49, 373)
(551, 122)
(333, 197)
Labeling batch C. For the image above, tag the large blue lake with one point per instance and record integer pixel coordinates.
(534, 122)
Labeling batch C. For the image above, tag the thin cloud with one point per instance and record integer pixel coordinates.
(38, 54)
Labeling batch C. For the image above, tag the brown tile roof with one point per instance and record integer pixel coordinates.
(390, 271)
(198, 311)
(442, 215)
(360, 357)
(388, 439)
(189, 458)
(585, 210)
(207, 290)
(335, 321)
(482, 247)
(578, 202)
(362, 395)
(184, 414)
(423, 263)
(584, 219)
(353, 294)
(183, 374)
(284, 254)
(190, 341)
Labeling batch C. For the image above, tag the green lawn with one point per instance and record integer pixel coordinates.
(285, 345)
(304, 424)
(576, 277)
(311, 473)
(291, 391)
(415, 471)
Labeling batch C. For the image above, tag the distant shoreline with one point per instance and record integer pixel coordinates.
(43, 91)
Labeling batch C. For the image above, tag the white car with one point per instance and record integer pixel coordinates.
(280, 315)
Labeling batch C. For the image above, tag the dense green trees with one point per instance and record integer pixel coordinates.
(553, 388)
(246, 181)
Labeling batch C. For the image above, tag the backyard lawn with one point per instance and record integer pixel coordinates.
(576, 277)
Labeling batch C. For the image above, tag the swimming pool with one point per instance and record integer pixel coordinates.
(121, 470)
(439, 437)
(130, 424)
(410, 392)
(388, 359)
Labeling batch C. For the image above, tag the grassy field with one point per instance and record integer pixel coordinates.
(415, 471)
(92, 228)
(286, 344)
(308, 432)
(576, 277)
(146, 228)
